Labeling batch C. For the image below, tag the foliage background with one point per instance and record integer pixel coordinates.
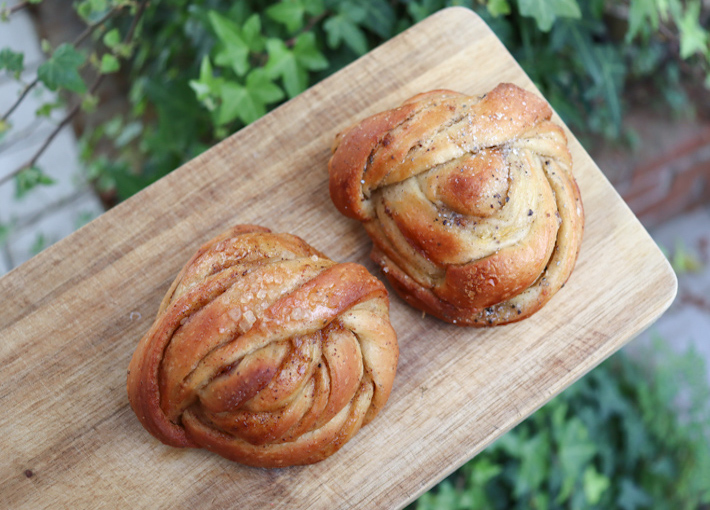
(197, 71)
(632, 434)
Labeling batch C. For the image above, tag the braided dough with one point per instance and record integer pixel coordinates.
(470, 202)
(265, 351)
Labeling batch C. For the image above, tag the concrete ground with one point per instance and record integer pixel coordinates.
(686, 324)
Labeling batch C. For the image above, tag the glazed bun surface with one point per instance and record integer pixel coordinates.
(265, 352)
(470, 202)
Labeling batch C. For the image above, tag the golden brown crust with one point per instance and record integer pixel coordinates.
(265, 352)
(471, 204)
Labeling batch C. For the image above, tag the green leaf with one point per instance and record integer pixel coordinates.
(251, 33)
(4, 233)
(340, 29)
(283, 64)
(595, 484)
(262, 89)
(112, 38)
(534, 455)
(693, 38)
(289, 13)
(307, 53)
(128, 133)
(30, 178)
(98, 5)
(11, 61)
(109, 64)
(89, 102)
(314, 7)
(83, 9)
(234, 51)
(420, 10)
(235, 104)
(483, 471)
(498, 7)
(207, 87)
(632, 497)
(247, 102)
(611, 82)
(575, 451)
(546, 12)
(39, 244)
(61, 70)
(643, 14)
(380, 18)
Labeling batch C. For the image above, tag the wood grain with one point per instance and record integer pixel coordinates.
(74, 313)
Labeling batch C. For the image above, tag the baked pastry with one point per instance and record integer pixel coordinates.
(470, 202)
(265, 352)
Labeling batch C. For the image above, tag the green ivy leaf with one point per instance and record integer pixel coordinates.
(235, 104)
(420, 10)
(251, 33)
(594, 484)
(11, 61)
(484, 470)
(112, 38)
(693, 38)
(234, 51)
(61, 70)
(534, 455)
(380, 18)
(39, 244)
(340, 29)
(546, 12)
(109, 64)
(611, 82)
(498, 7)
(643, 14)
(575, 451)
(4, 233)
(632, 497)
(89, 102)
(98, 5)
(247, 102)
(283, 64)
(289, 13)
(307, 53)
(30, 178)
(314, 7)
(262, 89)
(207, 87)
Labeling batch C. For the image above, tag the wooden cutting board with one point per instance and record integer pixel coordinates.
(73, 314)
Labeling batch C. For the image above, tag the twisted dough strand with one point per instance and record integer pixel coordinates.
(265, 352)
(471, 204)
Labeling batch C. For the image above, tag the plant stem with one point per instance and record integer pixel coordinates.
(17, 7)
(80, 39)
(75, 109)
(67, 118)
(25, 91)
(312, 22)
